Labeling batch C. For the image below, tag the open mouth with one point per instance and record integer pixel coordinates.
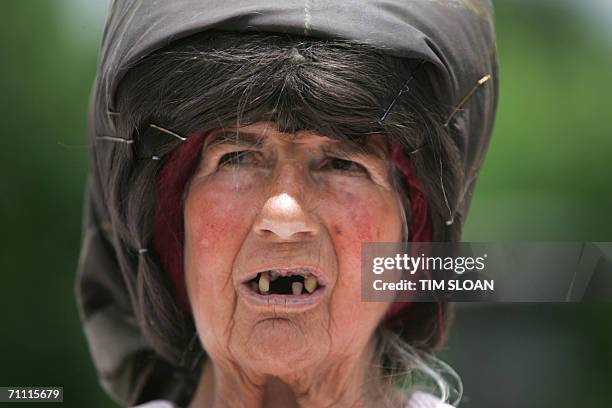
(294, 288)
(284, 282)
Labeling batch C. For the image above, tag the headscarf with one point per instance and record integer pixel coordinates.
(455, 36)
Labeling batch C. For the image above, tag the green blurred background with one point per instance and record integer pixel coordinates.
(547, 177)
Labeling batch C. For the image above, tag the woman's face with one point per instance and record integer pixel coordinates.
(273, 230)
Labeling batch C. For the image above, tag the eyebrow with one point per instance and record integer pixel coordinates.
(354, 148)
(347, 148)
(238, 138)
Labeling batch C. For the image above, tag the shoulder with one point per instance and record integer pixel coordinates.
(418, 400)
(157, 404)
(423, 400)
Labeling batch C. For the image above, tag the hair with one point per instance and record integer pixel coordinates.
(336, 87)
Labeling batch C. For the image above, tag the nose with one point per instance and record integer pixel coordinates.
(283, 218)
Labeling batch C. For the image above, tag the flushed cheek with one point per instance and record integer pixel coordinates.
(216, 221)
(361, 210)
(213, 234)
(354, 217)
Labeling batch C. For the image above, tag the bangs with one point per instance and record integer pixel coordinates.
(335, 88)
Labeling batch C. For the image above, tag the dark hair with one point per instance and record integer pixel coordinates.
(215, 79)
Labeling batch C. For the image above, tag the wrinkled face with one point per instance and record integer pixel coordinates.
(273, 231)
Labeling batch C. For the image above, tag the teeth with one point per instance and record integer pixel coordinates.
(310, 283)
(254, 286)
(273, 275)
(296, 288)
(264, 282)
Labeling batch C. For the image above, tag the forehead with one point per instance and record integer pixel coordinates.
(263, 134)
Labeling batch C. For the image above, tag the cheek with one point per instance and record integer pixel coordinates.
(215, 223)
(218, 212)
(207, 223)
(356, 215)
(214, 214)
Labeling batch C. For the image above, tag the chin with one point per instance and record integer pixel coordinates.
(279, 347)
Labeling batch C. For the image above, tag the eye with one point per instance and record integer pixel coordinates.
(237, 158)
(343, 165)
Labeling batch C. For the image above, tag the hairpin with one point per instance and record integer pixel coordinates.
(169, 132)
(115, 139)
(405, 88)
(480, 83)
(418, 149)
(166, 131)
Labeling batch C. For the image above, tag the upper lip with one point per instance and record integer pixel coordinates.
(284, 270)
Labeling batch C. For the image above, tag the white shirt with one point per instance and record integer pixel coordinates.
(418, 400)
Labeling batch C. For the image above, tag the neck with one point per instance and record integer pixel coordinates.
(348, 382)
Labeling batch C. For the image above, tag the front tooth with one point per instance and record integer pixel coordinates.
(296, 288)
(310, 283)
(264, 282)
(254, 286)
(274, 276)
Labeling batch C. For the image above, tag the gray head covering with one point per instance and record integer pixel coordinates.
(455, 36)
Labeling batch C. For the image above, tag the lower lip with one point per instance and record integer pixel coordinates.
(289, 302)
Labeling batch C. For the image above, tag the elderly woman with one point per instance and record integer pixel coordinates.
(242, 153)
